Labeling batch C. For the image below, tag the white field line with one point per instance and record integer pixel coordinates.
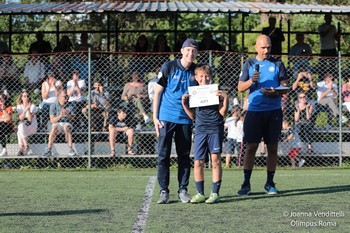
(141, 218)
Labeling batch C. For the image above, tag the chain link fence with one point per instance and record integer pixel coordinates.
(105, 85)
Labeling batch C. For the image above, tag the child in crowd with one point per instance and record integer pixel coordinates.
(120, 130)
(231, 126)
(241, 144)
(209, 134)
(295, 144)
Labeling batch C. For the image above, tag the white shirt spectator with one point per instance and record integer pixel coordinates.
(323, 87)
(76, 96)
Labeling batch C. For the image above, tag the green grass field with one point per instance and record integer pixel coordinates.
(110, 201)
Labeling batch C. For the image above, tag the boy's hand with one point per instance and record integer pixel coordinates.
(185, 98)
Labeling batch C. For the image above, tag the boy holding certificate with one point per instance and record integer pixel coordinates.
(209, 134)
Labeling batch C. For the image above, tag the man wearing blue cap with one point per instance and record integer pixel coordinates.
(170, 118)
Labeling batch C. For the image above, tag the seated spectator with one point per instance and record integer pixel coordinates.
(100, 106)
(135, 92)
(49, 90)
(208, 43)
(326, 95)
(302, 117)
(6, 124)
(9, 79)
(299, 54)
(61, 116)
(304, 83)
(346, 94)
(295, 144)
(27, 123)
(75, 91)
(81, 63)
(119, 129)
(34, 71)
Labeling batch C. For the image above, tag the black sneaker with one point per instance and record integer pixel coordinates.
(245, 189)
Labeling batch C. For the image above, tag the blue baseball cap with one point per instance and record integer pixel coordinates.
(190, 43)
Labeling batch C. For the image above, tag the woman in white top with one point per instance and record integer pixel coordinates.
(27, 123)
(49, 90)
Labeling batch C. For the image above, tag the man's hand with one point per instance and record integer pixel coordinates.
(256, 77)
(157, 125)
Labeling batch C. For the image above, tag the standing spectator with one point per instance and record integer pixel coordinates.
(100, 106)
(6, 124)
(75, 91)
(328, 37)
(209, 135)
(3, 46)
(120, 130)
(49, 92)
(139, 61)
(27, 123)
(326, 95)
(9, 80)
(346, 94)
(135, 92)
(64, 45)
(300, 54)
(84, 43)
(294, 146)
(232, 131)
(61, 116)
(34, 71)
(208, 43)
(161, 44)
(152, 87)
(302, 117)
(40, 45)
(181, 37)
(276, 36)
(264, 116)
(169, 117)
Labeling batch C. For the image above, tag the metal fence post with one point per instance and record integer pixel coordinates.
(340, 109)
(89, 109)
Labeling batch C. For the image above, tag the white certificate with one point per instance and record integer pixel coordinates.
(203, 95)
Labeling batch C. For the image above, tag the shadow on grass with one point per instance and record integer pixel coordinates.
(55, 213)
(288, 193)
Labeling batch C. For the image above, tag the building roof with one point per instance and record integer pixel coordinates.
(171, 6)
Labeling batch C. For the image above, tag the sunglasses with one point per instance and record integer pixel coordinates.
(302, 97)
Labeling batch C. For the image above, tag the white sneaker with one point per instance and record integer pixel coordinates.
(4, 152)
(72, 152)
(301, 162)
(344, 119)
(146, 119)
